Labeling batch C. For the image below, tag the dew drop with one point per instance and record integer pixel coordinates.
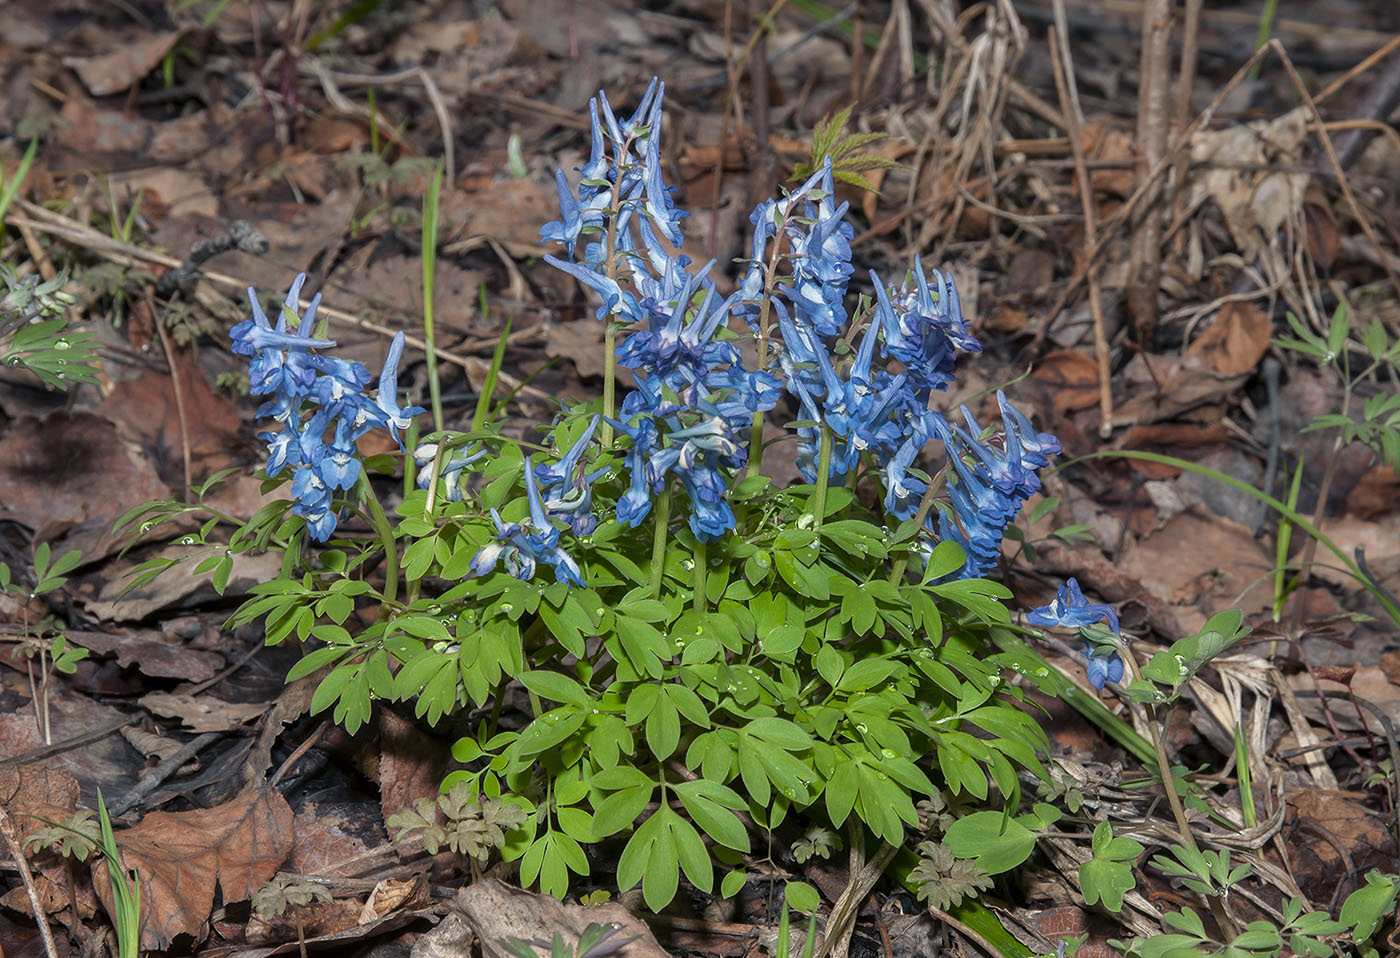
(61, 344)
(507, 608)
(598, 612)
(1041, 672)
(883, 777)
(687, 564)
(860, 727)
(147, 526)
(888, 753)
(186, 540)
(761, 560)
(806, 520)
(434, 610)
(994, 680)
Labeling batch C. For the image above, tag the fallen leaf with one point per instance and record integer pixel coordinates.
(151, 657)
(1161, 387)
(72, 470)
(411, 764)
(1236, 341)
(1198, 564)
(180, 857)
(497, 911)
(116, 71)
(391, 894)
(1072, 379)
(203, 713)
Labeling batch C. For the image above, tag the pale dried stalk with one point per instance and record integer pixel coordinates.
(1145, 263)
(1069, 103)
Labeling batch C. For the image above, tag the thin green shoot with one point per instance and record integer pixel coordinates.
(430, 238)
(1242, 775)
(126, 889)
(9, 187)
(1266, 28)
(482, 415)
(373, 121)
(1285, 534)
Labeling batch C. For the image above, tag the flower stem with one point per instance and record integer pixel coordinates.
(386, 539)
(658, 541)
(823, 477)
(609, 380)
(1164, 766)
(701, 563)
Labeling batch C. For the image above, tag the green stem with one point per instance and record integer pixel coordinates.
(701, 563)
(430, 236)
(386, 539)
(1164, 766)
(609, 379)
(658, 541)
(823, 477)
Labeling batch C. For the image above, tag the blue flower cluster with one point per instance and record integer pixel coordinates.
(689, 416)
(1071, 610)
(312, 395)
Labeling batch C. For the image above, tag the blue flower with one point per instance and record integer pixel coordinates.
(570, 487)
(452, 472)
(923, 329)
(283, 361)
(524, 545)
(1103, 667)
(1071, 610)
(393, 416)
(821, 255)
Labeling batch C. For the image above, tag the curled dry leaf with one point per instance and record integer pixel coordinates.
(181, 857)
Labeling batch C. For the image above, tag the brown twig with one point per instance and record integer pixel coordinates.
(7, 829)
(1145, 263)
(1120, 216)
(301, 750)
(1069, 103)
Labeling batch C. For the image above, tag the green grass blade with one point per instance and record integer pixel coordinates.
(1285, 534)
(488, 386)
(430, 238)
(12, 185)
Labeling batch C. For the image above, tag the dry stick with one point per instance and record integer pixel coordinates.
(7, 829)
(1145, 264)
(1185, 80)
(179, 394)
(1069, 103)
(126, 254)
(152, 780)
(1120, 216)
(301, 750)
(1357, 70)
(1338, 167)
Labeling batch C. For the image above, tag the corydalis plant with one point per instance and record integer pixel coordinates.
(312, 397)
(713, 656)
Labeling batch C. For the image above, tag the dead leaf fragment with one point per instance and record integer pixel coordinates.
(497, 912)
(180, 857)
(391, 894)
(116, 71)
(1236, 341)
(203, 713)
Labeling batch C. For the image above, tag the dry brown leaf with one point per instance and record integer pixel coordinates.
(411, 764)
(392, 894)
(203, 713)
(152, 658)
(1072, 379)
(1161, 387)
(1198, 564)
(497, 911)
(181, 856)
(116, 71)
(72, 471)
(1236, 341)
